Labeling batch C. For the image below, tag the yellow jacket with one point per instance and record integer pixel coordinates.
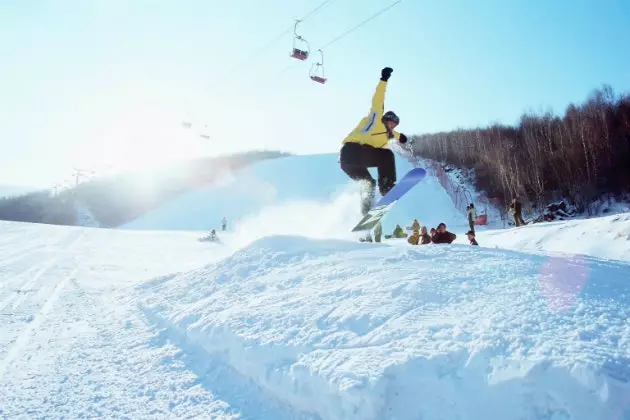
(414, 238)
(371, 130)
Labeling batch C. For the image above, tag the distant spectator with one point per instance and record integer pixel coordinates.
(399, 232)
(516, 212)
(471, 213)
(414, 238)
(442, 236)
(471, 237)
(224, 224)
(424, 236)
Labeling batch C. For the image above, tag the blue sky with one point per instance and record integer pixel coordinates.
(105, 84)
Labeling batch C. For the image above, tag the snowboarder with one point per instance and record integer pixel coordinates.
(212, 237)
(366, 147)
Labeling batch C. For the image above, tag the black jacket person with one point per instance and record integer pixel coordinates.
(366, 146)
(442, 236)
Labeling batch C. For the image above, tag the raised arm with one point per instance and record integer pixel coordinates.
(378, 100)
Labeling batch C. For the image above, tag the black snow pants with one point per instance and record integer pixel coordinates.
(355, 159)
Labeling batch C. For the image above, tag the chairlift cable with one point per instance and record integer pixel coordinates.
(315, 10)
(360, 24)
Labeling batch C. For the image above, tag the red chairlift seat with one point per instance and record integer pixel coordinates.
(316, 74)
(299, 54)
(319, 79)
(300, 45)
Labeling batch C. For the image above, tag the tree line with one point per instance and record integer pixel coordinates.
(576, 157)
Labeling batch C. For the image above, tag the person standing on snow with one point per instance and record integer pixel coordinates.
(472, 215)
(515, 210)
(366, 147)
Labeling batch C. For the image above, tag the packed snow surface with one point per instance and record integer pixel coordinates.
(362, 331)
(140, 324)
(73, 343)
(603, 237)
(289, 317)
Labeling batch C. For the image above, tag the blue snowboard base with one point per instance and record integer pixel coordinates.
(380, 209)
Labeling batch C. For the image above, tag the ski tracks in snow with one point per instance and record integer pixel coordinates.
(35, 292)
(74, 343)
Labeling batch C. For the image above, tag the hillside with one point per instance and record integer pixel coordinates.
(115, 200)
(307, 195)
(262, 200)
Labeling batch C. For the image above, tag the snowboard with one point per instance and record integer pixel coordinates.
(380, 209)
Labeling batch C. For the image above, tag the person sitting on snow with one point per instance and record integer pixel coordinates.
(442, 236)
(415, 225)
(424, 236)
(471, 237)
(399, 232)
(414, 238)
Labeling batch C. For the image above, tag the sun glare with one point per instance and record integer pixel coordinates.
(141, 139)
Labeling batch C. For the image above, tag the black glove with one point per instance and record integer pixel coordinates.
(386, 73)
(403, 138)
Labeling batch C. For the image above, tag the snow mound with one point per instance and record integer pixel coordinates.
(604, 237)
(318, 325)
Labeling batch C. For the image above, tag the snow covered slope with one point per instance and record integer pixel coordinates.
(315, 323)
(307, 195)
(72, 342)
(311, 196)
(142, 324)
(603, 237)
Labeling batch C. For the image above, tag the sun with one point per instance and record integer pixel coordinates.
(141, 139)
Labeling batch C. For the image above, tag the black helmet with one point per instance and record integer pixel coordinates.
(390, 116)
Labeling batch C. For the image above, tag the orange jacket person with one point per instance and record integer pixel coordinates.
(366, 146)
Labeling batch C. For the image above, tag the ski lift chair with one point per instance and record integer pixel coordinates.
(317, 70)
(300, 45)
